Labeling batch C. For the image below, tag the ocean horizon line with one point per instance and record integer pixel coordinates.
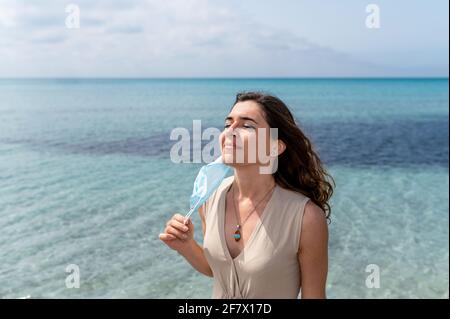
(230, 78)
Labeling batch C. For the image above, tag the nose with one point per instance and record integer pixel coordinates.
(232, 126)
(230, 134)
(230, 131)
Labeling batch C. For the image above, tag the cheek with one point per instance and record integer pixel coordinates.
(247, 139)
(263, 141)
(221, 139)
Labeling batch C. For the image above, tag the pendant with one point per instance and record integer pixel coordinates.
(237, 234)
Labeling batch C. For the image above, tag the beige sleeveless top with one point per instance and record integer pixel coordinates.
(268, 265)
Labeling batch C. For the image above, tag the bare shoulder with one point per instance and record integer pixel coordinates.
(314, 216)
(314, 226)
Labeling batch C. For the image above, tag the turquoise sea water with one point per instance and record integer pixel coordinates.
(86, 179)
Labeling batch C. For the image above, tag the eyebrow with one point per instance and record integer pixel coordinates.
(242, 118)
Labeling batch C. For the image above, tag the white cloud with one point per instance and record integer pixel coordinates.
(7, 17)
(156, 38)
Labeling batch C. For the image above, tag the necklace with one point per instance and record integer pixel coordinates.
(237, 234)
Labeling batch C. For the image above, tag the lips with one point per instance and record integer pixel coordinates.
(230, 145)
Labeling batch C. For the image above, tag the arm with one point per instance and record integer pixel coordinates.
(194, 252)
(194, 255)
(179, 236)
(313, 252)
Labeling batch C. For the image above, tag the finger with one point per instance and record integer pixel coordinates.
(166, 237)
(176, 232)
(179, 218)
(178, 225)
(187, 221)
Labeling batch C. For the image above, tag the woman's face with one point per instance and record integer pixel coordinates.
(245, 134)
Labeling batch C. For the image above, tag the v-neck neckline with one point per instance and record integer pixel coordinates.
(258, 225)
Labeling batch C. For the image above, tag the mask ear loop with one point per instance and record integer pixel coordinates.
(191, 211)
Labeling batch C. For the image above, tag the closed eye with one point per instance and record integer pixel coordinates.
(245, 126)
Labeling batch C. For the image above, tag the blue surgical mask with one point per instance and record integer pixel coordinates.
(208, 179)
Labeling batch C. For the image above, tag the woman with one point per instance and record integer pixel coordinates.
(265, 235)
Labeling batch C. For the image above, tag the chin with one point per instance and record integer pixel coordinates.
(228, 159)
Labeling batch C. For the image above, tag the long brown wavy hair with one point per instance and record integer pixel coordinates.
(299, 166)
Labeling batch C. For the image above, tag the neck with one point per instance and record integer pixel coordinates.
(250, 183)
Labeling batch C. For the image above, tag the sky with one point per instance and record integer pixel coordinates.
(223, 38)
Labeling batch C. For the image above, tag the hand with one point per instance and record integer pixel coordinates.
(179, 233)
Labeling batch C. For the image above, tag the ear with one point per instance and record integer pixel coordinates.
(278, 148)
(281, 147)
